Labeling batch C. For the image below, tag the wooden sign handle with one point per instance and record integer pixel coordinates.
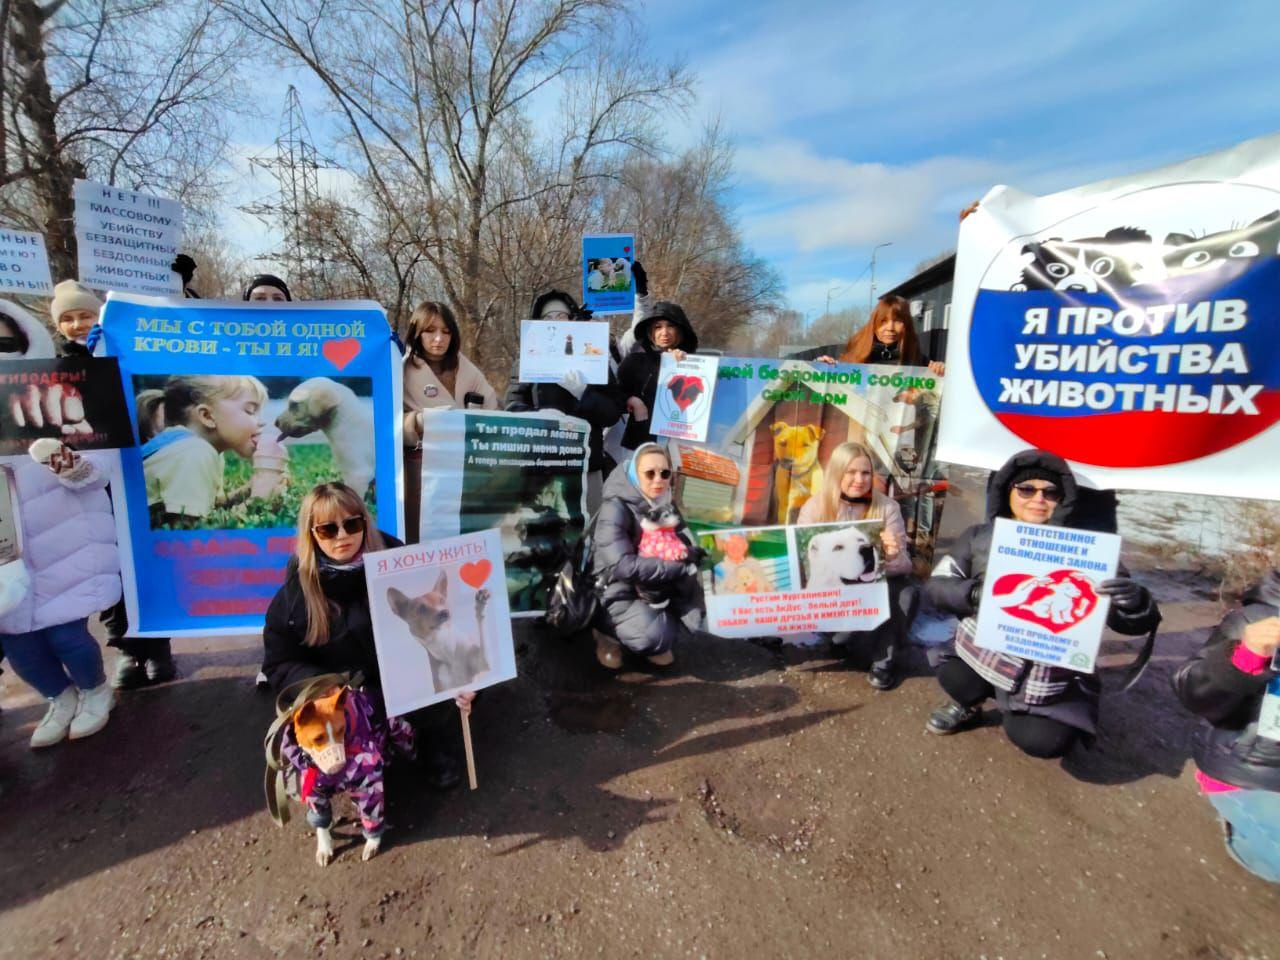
(466, 743)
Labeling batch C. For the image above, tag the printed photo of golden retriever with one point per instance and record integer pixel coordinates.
(797, 475)
(346, 421)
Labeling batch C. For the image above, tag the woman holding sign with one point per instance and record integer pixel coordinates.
(1046, 708)
(889, 337)
(663, 329)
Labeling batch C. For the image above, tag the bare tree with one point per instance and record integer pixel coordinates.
(131, 92)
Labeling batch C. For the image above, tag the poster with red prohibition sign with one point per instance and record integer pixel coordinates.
(682, 403)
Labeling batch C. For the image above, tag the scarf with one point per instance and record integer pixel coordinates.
(634, 476)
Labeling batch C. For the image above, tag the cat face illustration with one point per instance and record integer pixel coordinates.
(1223, 256)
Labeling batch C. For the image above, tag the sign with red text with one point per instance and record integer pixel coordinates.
(772, 581)
(440, 619)
(1127, 326)
(1040, 599)
(682, 404)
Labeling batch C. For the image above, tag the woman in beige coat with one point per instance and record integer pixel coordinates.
(436, 374)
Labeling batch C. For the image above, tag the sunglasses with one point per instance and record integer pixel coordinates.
(11, 345)
(664, 474)
(327, 531)
(1028, 492)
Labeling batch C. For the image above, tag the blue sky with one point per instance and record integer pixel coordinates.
(870, 122)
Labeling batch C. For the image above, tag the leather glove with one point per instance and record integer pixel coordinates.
(975, 594)
(1125, 594)
(641, 278)
(575, 383)
(584, 313)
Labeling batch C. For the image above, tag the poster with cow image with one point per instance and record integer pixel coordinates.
(1040, 599)
(774, 581)
(441, 623)
(1128, 326)
(241, 408)
(682, 404)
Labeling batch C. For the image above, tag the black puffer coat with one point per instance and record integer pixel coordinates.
(638, 373)
(601, 405)
(287, 659)
(957, 575)
(1210, 685)
(632, 621)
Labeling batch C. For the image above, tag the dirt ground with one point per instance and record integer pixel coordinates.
(750, 802)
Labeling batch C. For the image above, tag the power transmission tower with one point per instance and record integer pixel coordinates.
(294, 164)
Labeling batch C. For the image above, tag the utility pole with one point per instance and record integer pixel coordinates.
(871, 297)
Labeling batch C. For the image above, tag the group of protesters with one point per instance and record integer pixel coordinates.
(649, 602)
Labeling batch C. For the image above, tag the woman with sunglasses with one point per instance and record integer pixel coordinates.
(1045, 709)
(627, 618)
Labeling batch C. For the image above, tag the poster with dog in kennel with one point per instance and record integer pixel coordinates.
(772, 581)
(441, 622)
(240, 409)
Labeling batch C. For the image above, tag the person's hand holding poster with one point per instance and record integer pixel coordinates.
(77, 399)
(1040, 598)
(608, 285)
(682, 404)
(552, 349)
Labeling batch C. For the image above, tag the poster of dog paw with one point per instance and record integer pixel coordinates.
(682, 404)
(771, 581)
(441, 621)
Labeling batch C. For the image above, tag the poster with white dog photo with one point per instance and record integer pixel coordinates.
(441, 622)
(772, 581)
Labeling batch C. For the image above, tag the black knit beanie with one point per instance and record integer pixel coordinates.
(1036, 473)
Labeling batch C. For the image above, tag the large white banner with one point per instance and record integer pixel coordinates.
(1128, 326)
(126, 240)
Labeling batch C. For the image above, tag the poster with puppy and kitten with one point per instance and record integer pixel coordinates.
(441, 622)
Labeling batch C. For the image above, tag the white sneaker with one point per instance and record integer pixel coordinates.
(57, 719)
(93, 711)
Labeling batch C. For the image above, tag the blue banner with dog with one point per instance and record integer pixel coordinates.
(240, 409)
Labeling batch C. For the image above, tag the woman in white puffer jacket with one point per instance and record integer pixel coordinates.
(69, 569)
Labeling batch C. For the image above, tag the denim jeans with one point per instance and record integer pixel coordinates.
(1252, 818)
(52, 659)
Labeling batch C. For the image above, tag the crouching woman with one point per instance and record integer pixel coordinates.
(648, 601)
(1045, 709)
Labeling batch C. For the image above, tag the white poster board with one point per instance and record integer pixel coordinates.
(24, 264)
(127, 240)
(682, 404)
(551, 348)
(1040, 599)
(440, 619)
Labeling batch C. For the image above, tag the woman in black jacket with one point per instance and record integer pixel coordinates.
(1045, 708)
(664, 328)
(1233, 684)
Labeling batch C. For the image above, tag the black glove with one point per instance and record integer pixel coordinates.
(975, 594)
(1125, 594)
(184, 267)
(583, 313)
(696, 555)
(642, 278)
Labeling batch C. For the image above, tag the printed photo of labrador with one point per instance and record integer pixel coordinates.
(840, 558)
(346, 421)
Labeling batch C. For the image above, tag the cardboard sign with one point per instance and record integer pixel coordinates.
(1040, 599)
(772, 581)
(682, 404)
(607, 283)
(549, 349)
(78, 400)
(440, 619)
(24, 264)
(127, 240)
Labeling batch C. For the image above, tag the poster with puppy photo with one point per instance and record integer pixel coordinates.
(608, 285)
(773, 581)
(550, 349)
(441, 621)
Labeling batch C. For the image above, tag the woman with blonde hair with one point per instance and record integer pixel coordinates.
(849, 493)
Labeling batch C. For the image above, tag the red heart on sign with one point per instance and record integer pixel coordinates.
(340, 352)
(626, 249)
(1056, 602)
(685, 390)
(475, 574)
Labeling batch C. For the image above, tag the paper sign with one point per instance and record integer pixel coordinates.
(771, 581)
(1269, 717)
(607, 283)
(127, 240)
(10, 523)
(24, 264)
(440, 619)
(78, 400)
(1040, 599)
(551, 348)
(682, 404)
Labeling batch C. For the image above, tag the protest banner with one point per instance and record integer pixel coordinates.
(440, 619)
(607, 283)
(241, 409)
(774, 425)
(682, 403)
(78, 400)
(773, 581)
(24, 263)
(1040, 599)
(549, 349)
(523, 474)
(126, 240)
(1128, 326)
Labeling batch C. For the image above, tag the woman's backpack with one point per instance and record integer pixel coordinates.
(574, 601)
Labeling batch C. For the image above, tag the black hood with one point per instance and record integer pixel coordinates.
(671, 312)
(998, 488)
(267, 280)
(540, 300)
